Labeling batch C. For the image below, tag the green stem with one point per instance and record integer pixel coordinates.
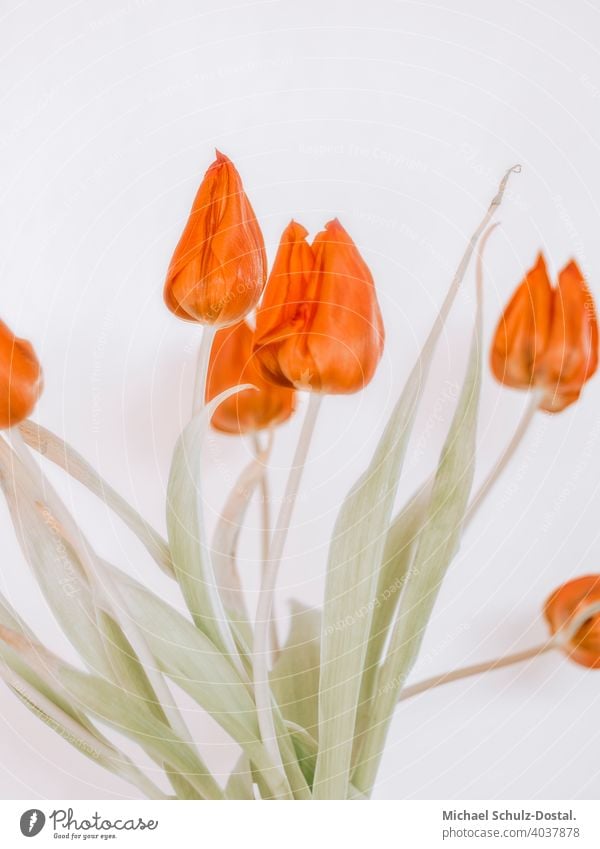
(261, 650)
(506, 456)
(265, 529)
(200, 380)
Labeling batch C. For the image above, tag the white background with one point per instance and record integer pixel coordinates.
(398, 117)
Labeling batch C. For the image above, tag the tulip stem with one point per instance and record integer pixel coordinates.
(475, 669)
(262, 689)
(265, 530)
(200, 379)
(506, 456)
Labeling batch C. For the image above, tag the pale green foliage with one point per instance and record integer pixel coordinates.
(355, 556)
(335, 683)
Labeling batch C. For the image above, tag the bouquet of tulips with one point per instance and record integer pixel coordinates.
(310, 716)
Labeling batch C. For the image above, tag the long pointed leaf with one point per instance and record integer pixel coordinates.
(31, 672)
(110, 705)
(53, 562)
(437, 545)
(187, 535)
(62, 454)
(398, 554)
(295, 675)
(355, 556)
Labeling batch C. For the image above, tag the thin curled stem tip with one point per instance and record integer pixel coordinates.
(515, 169)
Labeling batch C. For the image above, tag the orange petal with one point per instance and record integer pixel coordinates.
(232, 362)
(523, 331)
(21, 380)
(571, 357)
(280, 341)
(218, 270)
(565, 603)
(345, 327)
(319, 326)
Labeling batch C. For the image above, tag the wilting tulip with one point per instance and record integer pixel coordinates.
(564, 604)
(547, 338)
(21, 381)
(319, 326)
(231, 363)
(219, 267)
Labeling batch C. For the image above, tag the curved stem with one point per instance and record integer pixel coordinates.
(505, 458)
(265, 530)
(262, 689)
(475, 669)
(206, 341)
(564, 636)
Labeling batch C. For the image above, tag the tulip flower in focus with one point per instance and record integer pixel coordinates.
(564, 604)
(21, 381)
(547, 337)
(219, 267)
(231, 363)
(319, 326)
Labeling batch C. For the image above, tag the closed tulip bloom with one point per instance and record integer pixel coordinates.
(547, 338)
(219, 267)
(319, 326)
(232, 362)
(564, 604)
(21, 381)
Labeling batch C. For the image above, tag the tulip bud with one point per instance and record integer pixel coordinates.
(231, 363)
(219, 267)
(547, 337)
(564, 604)
(21, 380)
(319, 326)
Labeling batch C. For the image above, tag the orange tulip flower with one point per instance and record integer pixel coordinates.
(548, 337)
(319, 326)
(564, 604)
(21, 381)
(219, 267)
(231, 363)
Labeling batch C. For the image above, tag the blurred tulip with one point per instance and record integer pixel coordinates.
(547, 338)
(564, 604)
(219, 267)
(21, 380)
(319, 327)
(231, 363)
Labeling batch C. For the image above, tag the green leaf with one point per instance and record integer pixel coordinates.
(128, 673)
(437, 544)
(63, 455)
(187, 535)
(295, 675)
(354, 559)
(189, 658)
(53, 561)
(108, 703)
(79, 599)
(182, 787)
(400, 547)
(225, 542)
(32, 673)
(240, 784)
